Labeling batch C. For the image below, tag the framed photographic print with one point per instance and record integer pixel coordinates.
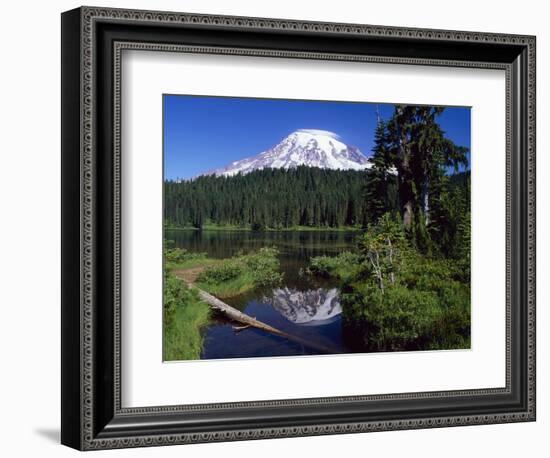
(278, 228)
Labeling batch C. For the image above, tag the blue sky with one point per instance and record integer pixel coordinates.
(203, 133)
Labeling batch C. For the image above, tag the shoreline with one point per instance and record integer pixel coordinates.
(247, 229)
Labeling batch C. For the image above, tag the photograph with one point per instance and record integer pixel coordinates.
(254, 196)
(307, 227)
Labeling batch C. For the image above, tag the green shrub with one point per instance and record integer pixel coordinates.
(242, 273)
(425, 309)
(395, 298)
(345, 266)
(184, 317)
(180, 257)
(226, 271)
(263, 266)
(396, 319)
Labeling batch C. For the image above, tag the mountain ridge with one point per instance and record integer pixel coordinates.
(304, 147)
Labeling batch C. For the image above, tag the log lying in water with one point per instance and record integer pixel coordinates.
(235, 315)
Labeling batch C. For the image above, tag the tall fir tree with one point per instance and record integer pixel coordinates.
(421, 154)
(379, 190)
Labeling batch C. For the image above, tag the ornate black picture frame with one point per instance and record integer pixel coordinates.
(92, 42)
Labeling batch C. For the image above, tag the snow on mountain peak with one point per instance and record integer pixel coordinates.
(307, 147)
(318, 132)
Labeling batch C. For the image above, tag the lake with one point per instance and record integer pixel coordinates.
(303, 306)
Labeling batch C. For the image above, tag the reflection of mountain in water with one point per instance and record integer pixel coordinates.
(312, 307)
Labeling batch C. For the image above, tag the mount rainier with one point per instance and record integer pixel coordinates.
(309, 147)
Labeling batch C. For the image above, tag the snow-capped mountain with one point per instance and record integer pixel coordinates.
(309, 147)
(311, 307)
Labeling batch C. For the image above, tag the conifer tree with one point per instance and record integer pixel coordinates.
(378, 192)
(421, 154)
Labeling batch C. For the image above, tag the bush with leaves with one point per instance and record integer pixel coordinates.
(384, 246)
(176, 257)
(344, 266)
(263, 266)
(223, 272)
(244, 272)
(427, 307)
(395, 298)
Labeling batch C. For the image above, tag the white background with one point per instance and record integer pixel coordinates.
(147, 75)
(30, 244)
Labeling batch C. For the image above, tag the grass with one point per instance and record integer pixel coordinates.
(237, 275)
(228, 288)
(185, 315)
(180, 258)
(190, 263)
(227, 277)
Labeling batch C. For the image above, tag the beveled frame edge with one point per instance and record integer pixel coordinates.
(119, 47)
(83, 436)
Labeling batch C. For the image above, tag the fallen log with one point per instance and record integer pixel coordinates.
(188, 276)
(236, 315)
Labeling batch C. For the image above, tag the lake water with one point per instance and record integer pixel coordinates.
(302, 306)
